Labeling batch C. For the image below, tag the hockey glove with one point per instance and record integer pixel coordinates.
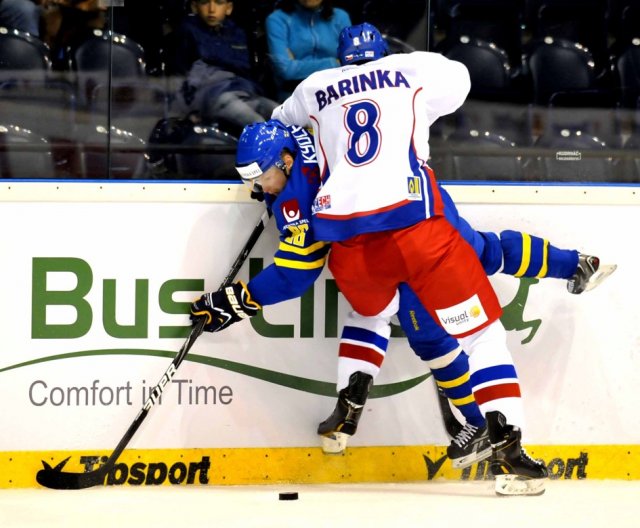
(224, 307)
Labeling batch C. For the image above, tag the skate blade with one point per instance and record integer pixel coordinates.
(334, 443)
(469, 460)
(514, 485)
(599, 276)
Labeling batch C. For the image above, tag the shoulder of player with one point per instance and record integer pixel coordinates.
(413, 58)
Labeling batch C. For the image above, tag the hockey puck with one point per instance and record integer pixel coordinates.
(290, 495)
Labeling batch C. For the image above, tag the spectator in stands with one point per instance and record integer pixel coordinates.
(302, 36)
(212, 51)
(67, 23)
(23, 15)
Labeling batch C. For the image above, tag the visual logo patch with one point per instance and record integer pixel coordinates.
(463, 317)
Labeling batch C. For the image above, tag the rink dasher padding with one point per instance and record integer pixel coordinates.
(90, 323)
(300, 465)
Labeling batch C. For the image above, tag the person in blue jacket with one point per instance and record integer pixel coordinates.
(302, 37)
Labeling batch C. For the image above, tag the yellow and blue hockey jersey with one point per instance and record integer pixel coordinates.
(300, 257)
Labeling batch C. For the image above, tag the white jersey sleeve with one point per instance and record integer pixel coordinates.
(293, 111)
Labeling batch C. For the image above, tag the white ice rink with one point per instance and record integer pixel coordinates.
(566, 504)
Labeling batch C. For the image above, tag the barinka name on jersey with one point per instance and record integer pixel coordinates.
(371, 129)
(362, 82)
(300, 257)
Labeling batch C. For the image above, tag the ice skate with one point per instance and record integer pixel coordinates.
(516, 473)
(590, 273)
(343, 422)
(471, 445)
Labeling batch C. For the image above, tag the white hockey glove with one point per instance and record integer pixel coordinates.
(224, 307)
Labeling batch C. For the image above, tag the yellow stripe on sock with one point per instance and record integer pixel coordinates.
(458, 402)
(545, 254)
(454, 382)
(526, 255)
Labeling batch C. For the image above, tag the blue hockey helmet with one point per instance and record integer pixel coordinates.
(361, 43)
(259, 149)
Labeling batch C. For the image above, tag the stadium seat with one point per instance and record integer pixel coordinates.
(581, 21)
(22, 55)
(496, 21)
(135, 106)
(488, 67)
(23, 154)
(104, 56)
(116, 154)
(206, 153)
(560, 66)
(627, 66)
(573, 157)
(627, 165)
(178, 148)
(483, 155)
(109, 52)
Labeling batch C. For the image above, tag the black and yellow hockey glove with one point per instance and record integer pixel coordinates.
(224, 307)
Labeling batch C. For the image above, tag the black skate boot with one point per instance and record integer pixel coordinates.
(590, 273)
(343, 422)
(470, 445)
(516, 473)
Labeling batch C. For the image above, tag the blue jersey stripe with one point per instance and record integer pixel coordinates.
(364, 336)
(496, 373)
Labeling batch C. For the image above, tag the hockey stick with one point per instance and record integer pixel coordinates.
(55, 478)
(451, 423)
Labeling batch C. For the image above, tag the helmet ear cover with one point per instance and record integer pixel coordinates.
(361, 43)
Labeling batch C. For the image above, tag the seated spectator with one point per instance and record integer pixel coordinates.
(23, 15)
(67, 23)
(212, 51)
(302, 36)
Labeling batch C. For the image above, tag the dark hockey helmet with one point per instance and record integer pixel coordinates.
(361, 43)
(259, 149)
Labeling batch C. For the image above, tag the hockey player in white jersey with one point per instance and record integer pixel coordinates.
(381, 207)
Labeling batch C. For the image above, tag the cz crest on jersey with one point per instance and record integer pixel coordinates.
(321, 203)
(414, 188)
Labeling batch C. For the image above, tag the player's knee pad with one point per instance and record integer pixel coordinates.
(433, 349)
(442, 361)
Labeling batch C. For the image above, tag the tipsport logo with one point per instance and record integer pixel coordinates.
(558, 468)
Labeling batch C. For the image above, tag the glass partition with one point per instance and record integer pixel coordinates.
(160, 89)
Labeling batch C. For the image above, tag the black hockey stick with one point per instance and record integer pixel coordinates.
(451, 423)
(55, 478)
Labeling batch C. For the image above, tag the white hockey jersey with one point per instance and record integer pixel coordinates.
(371, 128)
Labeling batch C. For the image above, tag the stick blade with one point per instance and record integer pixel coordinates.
(54, 479)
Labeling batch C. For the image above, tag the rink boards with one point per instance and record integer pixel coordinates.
(238, 466)
(96, 278)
